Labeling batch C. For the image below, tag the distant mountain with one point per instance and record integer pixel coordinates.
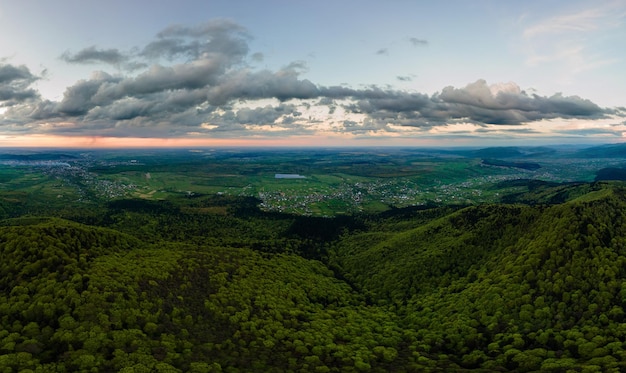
(611, 173)
(37, 157)
(602, 151)
(507, 152)
(523, 165)
(538, 192)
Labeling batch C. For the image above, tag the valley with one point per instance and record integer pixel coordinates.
(400, 260)
(333, 181)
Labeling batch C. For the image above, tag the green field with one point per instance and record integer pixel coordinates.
(336, 181)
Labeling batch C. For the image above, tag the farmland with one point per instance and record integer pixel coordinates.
(330, 182)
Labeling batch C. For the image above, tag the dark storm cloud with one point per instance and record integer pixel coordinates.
(14, 84)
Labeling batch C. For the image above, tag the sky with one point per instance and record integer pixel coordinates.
(311, 73)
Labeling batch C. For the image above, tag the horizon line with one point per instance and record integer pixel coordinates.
(104, 142)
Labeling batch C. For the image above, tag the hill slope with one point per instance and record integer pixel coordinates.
(79, 298)
(506, 287)
(502, 287)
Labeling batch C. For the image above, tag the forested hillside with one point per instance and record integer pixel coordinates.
(210, 284)
(505, 287)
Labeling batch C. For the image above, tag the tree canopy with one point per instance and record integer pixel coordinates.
(212, 284)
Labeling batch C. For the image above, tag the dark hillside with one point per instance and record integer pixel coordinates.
(76, 298)
(602, 151)
(398, 266)
(539, 192)
(211, 285)
(523, 165)
(611, 173)
(507, 288)
(508, 152)
(35, 247)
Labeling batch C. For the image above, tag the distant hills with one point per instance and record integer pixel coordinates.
(37, 156)
(506, 152)
(603, 151)
(523, 165)
(611, 173)
(498, 152)
(514, 152)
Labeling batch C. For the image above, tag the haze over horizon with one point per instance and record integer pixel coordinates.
(277, 73)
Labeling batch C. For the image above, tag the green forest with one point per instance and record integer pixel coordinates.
(209, 283)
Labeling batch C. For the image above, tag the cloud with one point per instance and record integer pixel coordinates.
(507, 104)
(219, 39)
(418, 42)
(198, 80)
(268, 114)
(584, 132)
(476, 103)
(93, 55)
(80, 98)
(582, 21)
(14, 84)
(244, 84)
(572, 40)
(204, 55)
(415, 42)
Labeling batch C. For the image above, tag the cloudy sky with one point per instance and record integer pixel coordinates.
(311, 73)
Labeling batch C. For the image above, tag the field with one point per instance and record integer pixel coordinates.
(334, 181)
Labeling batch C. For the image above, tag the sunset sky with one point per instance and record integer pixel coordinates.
(311, 73)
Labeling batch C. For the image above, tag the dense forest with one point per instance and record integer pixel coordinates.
(213, 284)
